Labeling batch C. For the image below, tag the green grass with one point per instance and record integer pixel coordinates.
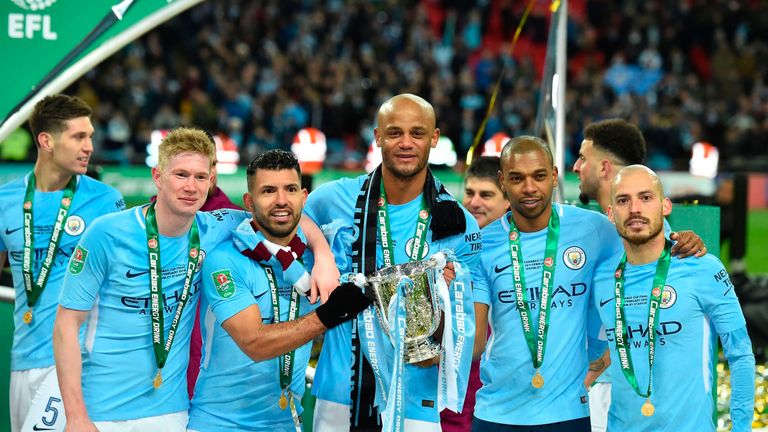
(757, 248)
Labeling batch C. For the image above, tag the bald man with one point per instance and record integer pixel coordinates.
(374, 220)
(533, 287)
(662, 379)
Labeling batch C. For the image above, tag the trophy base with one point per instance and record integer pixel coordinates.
(418, 351)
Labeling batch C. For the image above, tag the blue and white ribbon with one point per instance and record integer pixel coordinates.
(393, 419)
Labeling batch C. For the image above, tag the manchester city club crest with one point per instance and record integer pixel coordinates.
(75, 225)
(574, 258)
(668, 297)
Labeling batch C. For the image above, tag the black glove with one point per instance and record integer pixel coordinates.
(344, 303)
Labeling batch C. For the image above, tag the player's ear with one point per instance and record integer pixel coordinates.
(666, 206)
(156, 174)
(609, 213)
(248, 201)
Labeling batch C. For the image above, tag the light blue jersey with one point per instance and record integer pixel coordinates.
(113, 284)
(698, 303)
(233, 392)
(32, 343)
(333, 203)
(586, 240)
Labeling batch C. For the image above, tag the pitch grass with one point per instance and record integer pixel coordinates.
(757, 245)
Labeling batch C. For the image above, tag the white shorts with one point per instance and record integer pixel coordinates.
(333, 417)
(599, 402)
(173, 422)
(36, 401)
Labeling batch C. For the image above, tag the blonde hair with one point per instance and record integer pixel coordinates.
(186, 140)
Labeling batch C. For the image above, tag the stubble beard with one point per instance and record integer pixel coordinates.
(640, 240)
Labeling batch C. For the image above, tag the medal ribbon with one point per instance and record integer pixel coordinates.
(162, 348)
(419, 237)
(622, 345)
(286, 360)
(536, 341)
(34, 286)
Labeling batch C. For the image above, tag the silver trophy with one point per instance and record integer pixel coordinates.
(422, 307)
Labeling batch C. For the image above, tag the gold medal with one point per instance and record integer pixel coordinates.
(537, 381)
(158, 380)
(647, 409)
(27, 318)
(283, 402)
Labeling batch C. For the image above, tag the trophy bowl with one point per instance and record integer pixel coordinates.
(422, 310)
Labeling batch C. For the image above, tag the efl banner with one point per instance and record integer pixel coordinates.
(47, 44)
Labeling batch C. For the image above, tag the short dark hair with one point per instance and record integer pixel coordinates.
(52, 112)
(526, 143)
(619, 138)
(486, 168)
(273, 160)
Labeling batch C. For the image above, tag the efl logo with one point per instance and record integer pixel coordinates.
(33, 5)
(31, 25)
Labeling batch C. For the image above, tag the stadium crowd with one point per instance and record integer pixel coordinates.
(684, 72)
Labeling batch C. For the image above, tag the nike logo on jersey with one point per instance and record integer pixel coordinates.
(604, 302)
(36, 428)
(11, 231)
(498, 269)
(130, 275)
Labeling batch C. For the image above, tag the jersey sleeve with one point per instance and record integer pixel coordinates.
(480, 283)
(716, 294)
(318, 206)
(226, 287)
(88, 268)
(741, 362)
(219, 225)
(597, 343)
(114, 202)
(468, 249)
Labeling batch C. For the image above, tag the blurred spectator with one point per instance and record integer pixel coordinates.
(260, 71)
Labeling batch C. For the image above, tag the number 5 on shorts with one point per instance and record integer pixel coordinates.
(51, 409)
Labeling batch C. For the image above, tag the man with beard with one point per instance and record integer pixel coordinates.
(385, 227)
(258, 325)
(534, 284)
(664, 315)
(44, 215)
(133, 277)
(608, 146)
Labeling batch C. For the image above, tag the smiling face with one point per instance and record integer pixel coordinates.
(638, 205)
(182, 184)
(276, 199)
(71, 149)
(406, 132)
(528, 178)
(484, 199)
